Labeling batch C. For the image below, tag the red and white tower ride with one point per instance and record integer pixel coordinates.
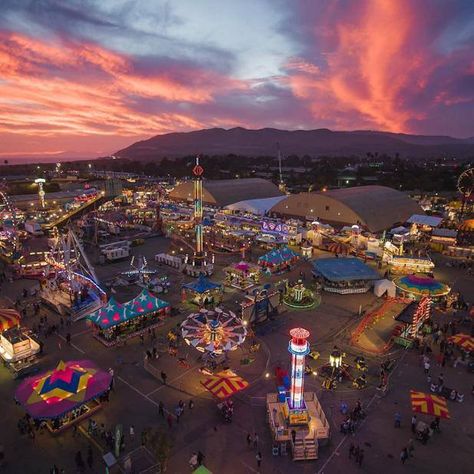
(299, 349)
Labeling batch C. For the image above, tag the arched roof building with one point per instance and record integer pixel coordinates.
(223, 192)
(375, 207)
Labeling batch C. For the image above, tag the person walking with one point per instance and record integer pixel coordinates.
(132, 432)
(163, 377)
(403, 455)
(200, 458)
(258, 457)
(427, 367)
(413, 423)
(398, 420)
(249, 440)
(161, 409)
(255, 440)
(191, 404)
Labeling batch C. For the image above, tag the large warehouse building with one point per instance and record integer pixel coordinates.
(375, 207)
(222, 192)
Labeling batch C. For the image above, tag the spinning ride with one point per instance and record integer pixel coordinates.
(214, 332)
(421, 285)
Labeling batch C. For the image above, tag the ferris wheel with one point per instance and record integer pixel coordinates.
(466, 182)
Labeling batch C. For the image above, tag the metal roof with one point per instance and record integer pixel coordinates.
(376, 207)
(421, 219)
(223, 192)
(344, 269)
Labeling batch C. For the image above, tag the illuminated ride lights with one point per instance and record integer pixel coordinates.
(298, 348)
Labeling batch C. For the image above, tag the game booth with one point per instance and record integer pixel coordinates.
(344, 275)
(18, 348)
(406, 265)
(279, 259)
(117, 322)
(202, 292)
(66, 395)
(242, 275)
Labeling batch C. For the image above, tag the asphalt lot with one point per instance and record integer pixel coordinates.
(137, 394)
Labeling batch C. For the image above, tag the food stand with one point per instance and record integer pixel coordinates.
(117, 322)
(65, 395)
(18, 348)
(407, 265)
(242, 275)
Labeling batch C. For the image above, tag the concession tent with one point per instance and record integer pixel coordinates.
(384, 286)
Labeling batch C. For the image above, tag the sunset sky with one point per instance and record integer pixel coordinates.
(88, 77)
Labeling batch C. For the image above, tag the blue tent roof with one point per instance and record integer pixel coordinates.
(278, 256)
(114, 313)
(344, 269)
(201, 285)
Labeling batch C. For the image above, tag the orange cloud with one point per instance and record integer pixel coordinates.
(372, 63)
(51, 90)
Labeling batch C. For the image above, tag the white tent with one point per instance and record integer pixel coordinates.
(382, 286)
(255, 206)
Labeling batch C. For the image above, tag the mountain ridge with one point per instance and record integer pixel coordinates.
(317, 142)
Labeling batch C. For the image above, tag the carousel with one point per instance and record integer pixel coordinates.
(418, 285)
(242, 275)
(298, 296)
(216, 332)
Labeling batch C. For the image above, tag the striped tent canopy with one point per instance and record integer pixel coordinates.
(429, 404)
(463, 340)
(339, 248)
(9, 318)
(224, 384)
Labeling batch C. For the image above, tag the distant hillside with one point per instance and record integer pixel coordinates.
(241, 141)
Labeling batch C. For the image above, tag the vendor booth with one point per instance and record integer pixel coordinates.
(412, 319)
(202, 292)
(242, 275)
(65, 395)
(116, 322)
(406, 265)
(18, 348)
(279, 259)
(344, 275)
